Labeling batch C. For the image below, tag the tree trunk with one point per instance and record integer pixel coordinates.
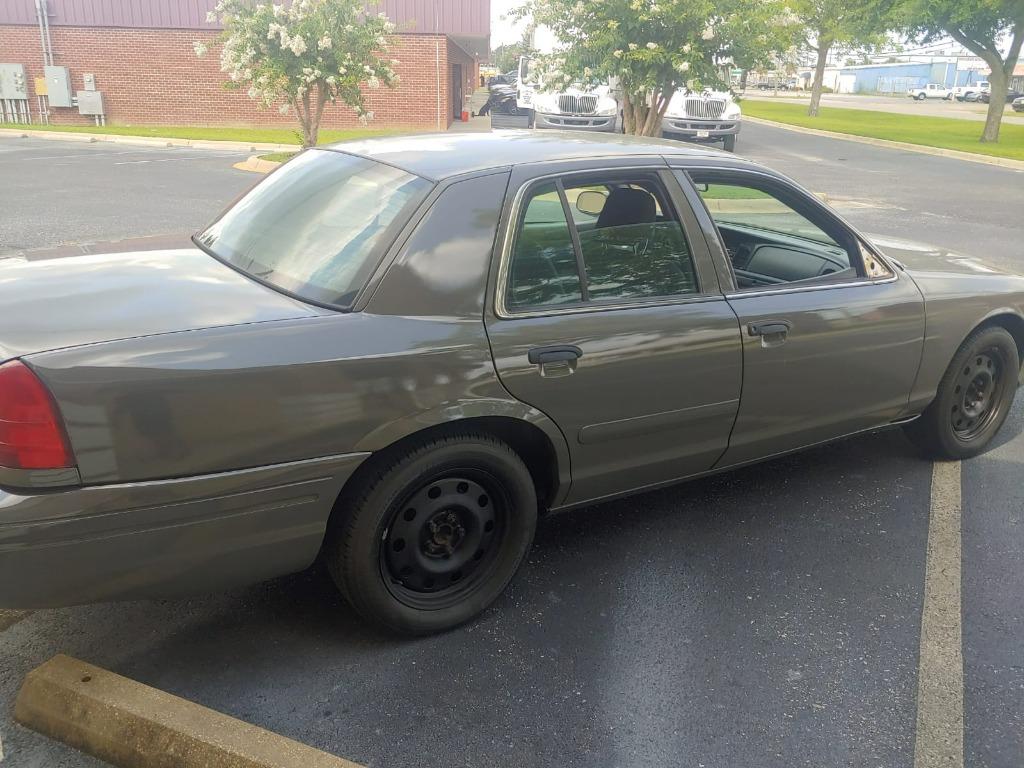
(824, 44)
(996, 104)
(1000, 73)
(628, 119)
(655, 114)
(743, 80)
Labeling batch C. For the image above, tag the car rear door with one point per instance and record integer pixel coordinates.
(832, 334)
(639, 363)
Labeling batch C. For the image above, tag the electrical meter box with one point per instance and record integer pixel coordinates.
(90, 102)
(89, 81)
(58, 86)
(13, 84)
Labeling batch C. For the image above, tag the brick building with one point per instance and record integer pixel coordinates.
(140, 56)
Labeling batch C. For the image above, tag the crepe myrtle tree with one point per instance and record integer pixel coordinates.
(648, 49)
(304, 55)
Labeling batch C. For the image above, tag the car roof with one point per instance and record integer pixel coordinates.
(440, 155)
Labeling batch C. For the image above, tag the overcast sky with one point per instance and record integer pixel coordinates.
(503, 30)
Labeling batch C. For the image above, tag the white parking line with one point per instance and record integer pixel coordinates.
(940, 672)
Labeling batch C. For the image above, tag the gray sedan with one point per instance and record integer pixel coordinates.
(394, 354)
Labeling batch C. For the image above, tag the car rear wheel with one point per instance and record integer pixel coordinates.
(920, 97)
(973, 399)
(434, 536)
(729, 143)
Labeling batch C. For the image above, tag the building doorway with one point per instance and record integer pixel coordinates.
(457, 91)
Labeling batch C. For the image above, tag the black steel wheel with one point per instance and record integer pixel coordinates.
(978, 393)
(430, 536)
(973, 398)
(443, 538)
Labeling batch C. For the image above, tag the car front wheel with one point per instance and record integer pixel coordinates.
(973, 399)
(435, 534)
(729, 143)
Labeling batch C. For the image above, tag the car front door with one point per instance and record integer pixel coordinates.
(607, 316)
(832, 334)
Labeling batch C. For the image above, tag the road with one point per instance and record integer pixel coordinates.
(58, 192)
(766, 617)
(903, 105)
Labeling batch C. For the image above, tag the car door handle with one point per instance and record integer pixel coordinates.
(558, 353)
(769, 328)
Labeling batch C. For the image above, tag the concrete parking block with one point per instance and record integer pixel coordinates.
(255, 164)
(133, 725)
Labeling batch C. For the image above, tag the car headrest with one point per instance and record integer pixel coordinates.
(625, 206)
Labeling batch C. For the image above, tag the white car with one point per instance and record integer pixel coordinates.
(703, 116)
(930, 91)
(972, 91)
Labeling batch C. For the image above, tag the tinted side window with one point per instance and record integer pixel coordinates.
(630, 244)
(542, 271)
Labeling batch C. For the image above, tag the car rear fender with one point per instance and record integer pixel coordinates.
(525, 428)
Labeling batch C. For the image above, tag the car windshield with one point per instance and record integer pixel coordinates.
(317, 227)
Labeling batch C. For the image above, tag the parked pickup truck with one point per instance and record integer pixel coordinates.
(971, 91)
(930, 91)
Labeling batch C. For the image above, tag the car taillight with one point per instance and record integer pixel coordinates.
(31, 431)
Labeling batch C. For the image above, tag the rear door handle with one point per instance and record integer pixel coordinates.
(769, 328)
(557, 353)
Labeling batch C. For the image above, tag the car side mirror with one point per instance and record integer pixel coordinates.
(591, 202)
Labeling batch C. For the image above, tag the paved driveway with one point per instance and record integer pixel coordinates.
(62, 192)
(766, 617)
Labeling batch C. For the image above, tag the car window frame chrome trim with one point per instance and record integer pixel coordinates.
(508, 233)
(735, 292)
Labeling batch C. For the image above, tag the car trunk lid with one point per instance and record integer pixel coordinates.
(68, 302)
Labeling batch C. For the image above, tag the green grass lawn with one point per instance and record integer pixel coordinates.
(278, 157)
(254, 135)
(944, 132)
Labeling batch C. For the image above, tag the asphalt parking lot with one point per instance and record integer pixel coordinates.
(766, 617)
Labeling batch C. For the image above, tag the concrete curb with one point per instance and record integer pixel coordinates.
(256, 165)
(1017, 165)
(132, 725)
(143, 141)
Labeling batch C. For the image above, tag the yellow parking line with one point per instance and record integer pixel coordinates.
(940, 676)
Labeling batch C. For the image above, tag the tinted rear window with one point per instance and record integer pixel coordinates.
(319, 225)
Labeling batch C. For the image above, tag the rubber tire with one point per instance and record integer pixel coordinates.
(932, 432)
(729, 143)
(920, 97)
(352, 549)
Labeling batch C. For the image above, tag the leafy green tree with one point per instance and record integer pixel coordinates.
(304, 55)
(649, 49)
(506, 57)
(979, 26)
(846, 23)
